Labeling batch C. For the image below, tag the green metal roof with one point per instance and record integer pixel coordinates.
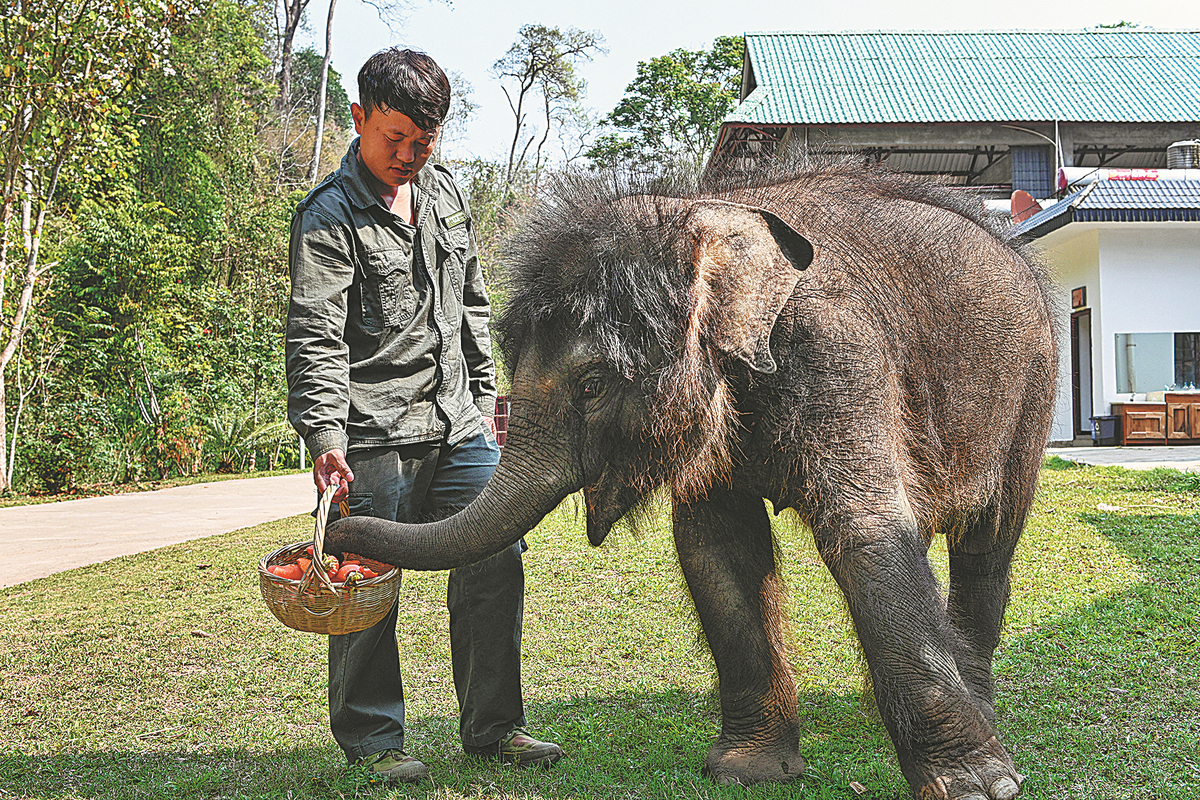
(1001, 76)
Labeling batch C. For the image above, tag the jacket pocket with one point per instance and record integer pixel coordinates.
(388, 300)
(452, 246)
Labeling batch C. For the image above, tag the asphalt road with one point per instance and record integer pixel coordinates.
(53, 537)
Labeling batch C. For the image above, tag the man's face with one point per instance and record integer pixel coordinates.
(391, 145)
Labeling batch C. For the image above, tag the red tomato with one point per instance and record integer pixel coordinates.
(369, 573)
(303, 564)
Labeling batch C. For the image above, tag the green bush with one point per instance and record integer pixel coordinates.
(61, 451)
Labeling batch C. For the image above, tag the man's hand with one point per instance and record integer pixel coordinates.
(331, 468)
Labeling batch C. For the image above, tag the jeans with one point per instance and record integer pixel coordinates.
(486, 602)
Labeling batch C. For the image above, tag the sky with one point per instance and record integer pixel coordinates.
(468, 36)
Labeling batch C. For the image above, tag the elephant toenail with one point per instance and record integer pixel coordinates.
(1005, 789)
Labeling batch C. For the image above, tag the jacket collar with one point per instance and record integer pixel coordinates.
(359, 183)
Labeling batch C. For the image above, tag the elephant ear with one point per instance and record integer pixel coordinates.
(746, 262)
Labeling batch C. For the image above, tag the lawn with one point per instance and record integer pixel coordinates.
(163, 675)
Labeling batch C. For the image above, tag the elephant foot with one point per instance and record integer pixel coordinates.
(986, 773)
(743, 765)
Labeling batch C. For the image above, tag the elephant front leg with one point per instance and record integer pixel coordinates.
(728, 558)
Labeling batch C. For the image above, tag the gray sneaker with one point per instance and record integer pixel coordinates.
(520, 749)
(394, 765)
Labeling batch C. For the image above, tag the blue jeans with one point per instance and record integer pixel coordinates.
(486, 602)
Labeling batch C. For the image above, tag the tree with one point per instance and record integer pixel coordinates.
(462, 108)
(673, 109)
(322, 94)
(293, 13)
(69, 66)
(542, 61)
(306, 89)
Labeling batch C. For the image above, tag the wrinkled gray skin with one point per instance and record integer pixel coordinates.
(842, 346)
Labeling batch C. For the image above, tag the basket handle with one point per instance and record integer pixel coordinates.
(316, 571)
(324, 613)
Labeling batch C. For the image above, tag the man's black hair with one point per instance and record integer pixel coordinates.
(407, 81)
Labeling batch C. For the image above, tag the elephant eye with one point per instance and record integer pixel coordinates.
(590, 386)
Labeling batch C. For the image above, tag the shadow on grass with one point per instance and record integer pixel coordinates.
(643, 745)
(1104, 701)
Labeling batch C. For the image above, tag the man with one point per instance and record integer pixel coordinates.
(392, 385)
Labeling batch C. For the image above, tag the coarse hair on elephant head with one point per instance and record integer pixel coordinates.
(665, 292)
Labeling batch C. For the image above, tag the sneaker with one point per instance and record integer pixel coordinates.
(394, 765)
(520, 749)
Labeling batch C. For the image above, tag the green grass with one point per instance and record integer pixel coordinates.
(150, 677)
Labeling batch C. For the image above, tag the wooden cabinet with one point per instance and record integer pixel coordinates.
(1142, 423)
(1174, 421)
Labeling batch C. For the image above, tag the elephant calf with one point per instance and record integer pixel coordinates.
(855, 345)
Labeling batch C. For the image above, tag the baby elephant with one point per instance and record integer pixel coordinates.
(858, 346)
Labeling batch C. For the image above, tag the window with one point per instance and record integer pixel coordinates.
(1187, 360)
(1152, 362)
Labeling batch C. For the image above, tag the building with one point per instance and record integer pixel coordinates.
(997, 111)
(1127, 252)
(1016, 110)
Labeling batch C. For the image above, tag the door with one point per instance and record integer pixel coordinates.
(1081, 372)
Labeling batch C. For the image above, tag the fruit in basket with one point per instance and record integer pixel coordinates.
(331, 563)
(347, 572)
(291, 572)
(303, 563)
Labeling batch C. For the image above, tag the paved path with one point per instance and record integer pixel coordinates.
(1185, 458)
(59, 536)
(53, 537)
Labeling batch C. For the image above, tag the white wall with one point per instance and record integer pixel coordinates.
(1140, 278)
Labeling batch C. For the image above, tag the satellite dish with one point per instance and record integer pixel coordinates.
(1023, 206)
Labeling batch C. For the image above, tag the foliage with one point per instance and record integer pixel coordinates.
(234, 437)
(65, 442)
(673, 109)
(168, 241)
(542, 63)
(70, 66)
(162, 675)
(494, 205)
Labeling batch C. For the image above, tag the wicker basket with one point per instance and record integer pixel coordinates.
(315, 605)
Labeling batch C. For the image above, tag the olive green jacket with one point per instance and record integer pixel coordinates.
(387, 330)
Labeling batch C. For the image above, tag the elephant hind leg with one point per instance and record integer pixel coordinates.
(946, 746)
(727, 553)
(980, 560)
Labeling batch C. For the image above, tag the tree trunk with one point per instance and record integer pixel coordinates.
(20, 317)
(316, 161)
(294, 12)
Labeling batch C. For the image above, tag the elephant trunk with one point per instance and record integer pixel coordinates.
(511, 505)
